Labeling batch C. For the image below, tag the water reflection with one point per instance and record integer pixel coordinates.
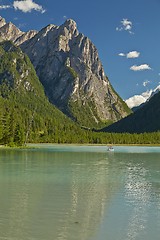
(54, 195)
(134, 213)
(137, 193)
(79, 195)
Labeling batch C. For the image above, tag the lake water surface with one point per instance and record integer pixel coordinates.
(60, 192)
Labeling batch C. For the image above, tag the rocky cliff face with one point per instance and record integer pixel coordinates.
(2, 22)
(25, 112)
(68, 66)
(9, 32)
(25, 37)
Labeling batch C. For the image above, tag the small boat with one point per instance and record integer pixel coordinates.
(110, 149)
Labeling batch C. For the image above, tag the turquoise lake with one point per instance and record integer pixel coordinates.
(67, 192)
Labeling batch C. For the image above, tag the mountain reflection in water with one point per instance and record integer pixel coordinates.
(78, 195)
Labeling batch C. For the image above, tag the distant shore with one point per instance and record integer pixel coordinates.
(93, 144)
(38, 145)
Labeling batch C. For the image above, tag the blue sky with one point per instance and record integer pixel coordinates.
(126, 34)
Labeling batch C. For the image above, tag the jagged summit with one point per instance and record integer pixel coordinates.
(70, 21)
(70, 24)
(24, 37)
(8, 31)
(72, 74)
(2, 22)
(69, 29)
(68, 66)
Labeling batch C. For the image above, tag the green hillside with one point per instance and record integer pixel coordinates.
(145, 119)
(25, 113)
(27, 116)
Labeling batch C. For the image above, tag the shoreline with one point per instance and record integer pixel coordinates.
(93, 144)
(33, 145)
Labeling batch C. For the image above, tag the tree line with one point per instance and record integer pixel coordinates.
(20, 125)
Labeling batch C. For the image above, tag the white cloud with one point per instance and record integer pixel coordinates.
(145, 83)
(122, 54)
(125, 25)
(140, 67)
(133, 54)
(137, 100)
(27, 6)
(5, 7)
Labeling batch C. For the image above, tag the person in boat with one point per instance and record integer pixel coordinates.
(110, 148)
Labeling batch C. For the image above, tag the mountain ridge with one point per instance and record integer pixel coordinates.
(144, 119)
(26, 114)
(74, 80)
(9, 32)
(68, 65)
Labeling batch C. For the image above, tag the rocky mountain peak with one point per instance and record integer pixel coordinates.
(48, 28)
(70, 27)
(70, 24)
(24, 37)
(2, 22)
(68, 65)
(10, 32)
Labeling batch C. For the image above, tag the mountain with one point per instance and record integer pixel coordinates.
(145, 119)
(139, 100)
(9, 32)
(2, 22)
(26, 114)
(155, 91)
(25, 36)
(68, 66)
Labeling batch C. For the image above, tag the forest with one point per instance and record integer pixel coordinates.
(20, 125)
(27, 116)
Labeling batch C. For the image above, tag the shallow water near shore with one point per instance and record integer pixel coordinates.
(69, 192)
